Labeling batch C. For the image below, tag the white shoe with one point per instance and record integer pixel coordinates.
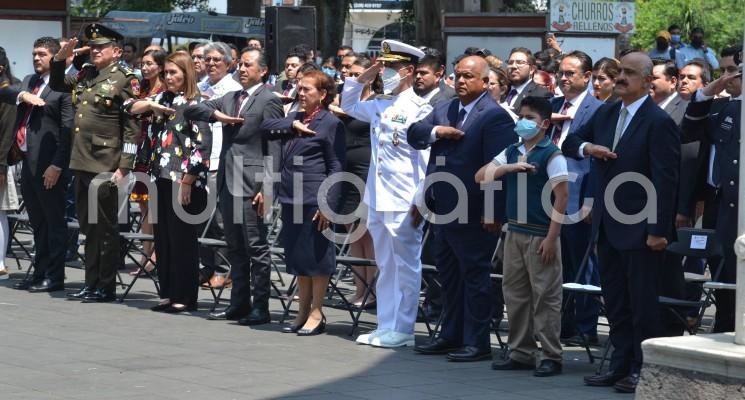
(393, 339)
(4, 273)
(366, 338)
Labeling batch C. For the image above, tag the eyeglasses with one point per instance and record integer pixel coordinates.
(213, 59)
(519, 63)
(568, 74)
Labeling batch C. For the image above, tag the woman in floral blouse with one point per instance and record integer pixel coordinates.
(179, 164)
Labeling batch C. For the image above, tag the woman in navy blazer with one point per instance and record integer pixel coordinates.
(317, 138)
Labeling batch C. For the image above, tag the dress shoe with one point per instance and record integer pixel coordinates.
(160, 307)
(469, 353)
(548, 368)
(606, 379)
(510, 365)
(256, 317)
(46, 286)
(180, 308)
(393, 339)
(99, 296)
(319, 329)
(80, 294)
(580, 340)
(230, 314)
(439, 346)
(367, 337)
(291, 328)
(627, 384)
(24, 284)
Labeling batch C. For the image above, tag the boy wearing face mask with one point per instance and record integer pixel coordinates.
(396, 172)
(532, 255)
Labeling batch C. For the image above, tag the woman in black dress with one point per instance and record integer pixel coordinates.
(179, 166)
(358, 164)
(317, 137)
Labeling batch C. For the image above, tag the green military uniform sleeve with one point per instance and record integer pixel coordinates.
(130, 127)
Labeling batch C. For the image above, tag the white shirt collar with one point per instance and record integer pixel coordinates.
(634, 107)
(668, 100)
(45, 78)
(431, 93)
(520, 88)
(253, 88)
(577, 100)
(470, 105)
(736, 98)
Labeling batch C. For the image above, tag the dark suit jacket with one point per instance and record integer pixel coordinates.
(244, 148)
(322, 155)
(8, 93)
(445, 93)
(49, 129)
(578, 188)
(531, 90)
(650, 146)
(488, 129)
(689, 160)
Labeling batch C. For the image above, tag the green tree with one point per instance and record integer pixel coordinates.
(722, 20)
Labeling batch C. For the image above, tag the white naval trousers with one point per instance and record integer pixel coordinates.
(398, 248)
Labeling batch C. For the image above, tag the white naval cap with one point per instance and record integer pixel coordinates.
(395, 51)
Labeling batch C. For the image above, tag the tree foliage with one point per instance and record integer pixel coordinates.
(98, 8)
(722, 20)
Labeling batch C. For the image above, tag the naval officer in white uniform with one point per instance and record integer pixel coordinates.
(396, 174)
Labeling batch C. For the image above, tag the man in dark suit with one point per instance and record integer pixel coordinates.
(244, 155)
(718, 121)
(670, 279)
(43, 134)
(571, 112)
(636, 137)
(428, 83)
(520, 68)
(464, 135)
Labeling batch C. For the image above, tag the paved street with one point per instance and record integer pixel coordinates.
(59, 349)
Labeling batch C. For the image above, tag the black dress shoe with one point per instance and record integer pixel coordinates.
(627, 384)
(606, 379)
(172, 309)
(319, 329)
(229, 314)
(160, 307)
(80, 294)
(510, 365)
(256, 317)
(469, 353)
(292, 328)
(99, 296)
(438, 346)
(580, 340)
(548, 368)
(24, 284)
(46, 286)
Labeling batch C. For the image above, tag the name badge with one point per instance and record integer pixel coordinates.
(400, 118)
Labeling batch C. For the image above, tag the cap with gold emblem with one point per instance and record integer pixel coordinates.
(395, 51)
(99, 34)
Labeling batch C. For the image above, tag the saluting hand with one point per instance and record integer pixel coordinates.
(302, 129)
(370, 74)
(522, 167)
(718, 85)
(448, 132)
(557, 118)
(66, 50)
(226, 119)
(160, 109)
(600, 152)
(32, 99)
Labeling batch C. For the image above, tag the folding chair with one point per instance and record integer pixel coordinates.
(216, 245)
(696, 243)
(19, 224)
(130, 239)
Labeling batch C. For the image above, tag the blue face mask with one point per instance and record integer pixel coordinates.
(676, 39)
(329, 71)
(526, 129)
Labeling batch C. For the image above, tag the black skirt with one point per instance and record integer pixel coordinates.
(307, 251)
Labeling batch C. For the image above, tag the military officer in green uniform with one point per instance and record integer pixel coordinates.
(104, 142)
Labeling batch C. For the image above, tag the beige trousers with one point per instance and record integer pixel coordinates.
(532, 292)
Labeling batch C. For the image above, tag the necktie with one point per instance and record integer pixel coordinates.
(461, 117)
(21, 134)
(511, 95)
(619, 127)
(242, 96)
(558, 128)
